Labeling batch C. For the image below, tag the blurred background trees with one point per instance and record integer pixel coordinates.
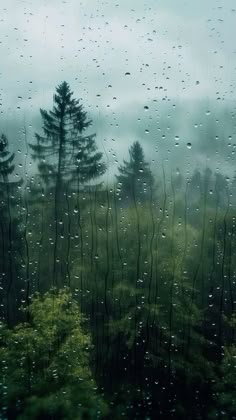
(145, 327)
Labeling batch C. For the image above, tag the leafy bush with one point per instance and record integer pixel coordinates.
(45, 364)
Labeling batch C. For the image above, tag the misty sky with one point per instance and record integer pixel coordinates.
(134, 64)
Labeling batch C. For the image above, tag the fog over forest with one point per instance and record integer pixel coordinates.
(117, 210)
(156, 73)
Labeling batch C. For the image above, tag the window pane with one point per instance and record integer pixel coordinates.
(117, 205)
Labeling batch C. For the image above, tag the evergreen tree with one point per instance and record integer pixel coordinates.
(8, 228)
(196, 182)
(221, 189)
(135, 178)
(68, 158)
(64, 152)
(6, 160)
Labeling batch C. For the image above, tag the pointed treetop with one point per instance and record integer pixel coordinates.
(3, 142)
(135, 177)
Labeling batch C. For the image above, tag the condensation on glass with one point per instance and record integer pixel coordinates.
(117, 210)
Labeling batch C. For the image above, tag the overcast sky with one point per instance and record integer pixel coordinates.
(124, 58)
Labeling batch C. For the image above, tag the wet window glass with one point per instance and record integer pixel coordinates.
(117, 209)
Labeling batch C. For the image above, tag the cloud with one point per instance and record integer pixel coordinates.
(98, 42)
(119, 56)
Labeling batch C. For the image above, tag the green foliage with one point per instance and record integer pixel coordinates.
(224, 391)
(6, 159)
(155, 277)
(45, 364)
(140, 296)
(67, 158)
(64, 152)
(144, 274)
(135, 179)
(10, 235)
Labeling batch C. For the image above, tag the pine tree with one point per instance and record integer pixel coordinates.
(6, 160)
(65, 154)
(9, 229)
(68, 158)
(135, 178)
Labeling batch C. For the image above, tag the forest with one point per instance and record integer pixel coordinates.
(117, 297)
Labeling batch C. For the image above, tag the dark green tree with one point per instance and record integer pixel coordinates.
(65, 154)
(6, 160)
(224, 388)
(9, 228)
(221, 189)
(135, 179)
(68, 158)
